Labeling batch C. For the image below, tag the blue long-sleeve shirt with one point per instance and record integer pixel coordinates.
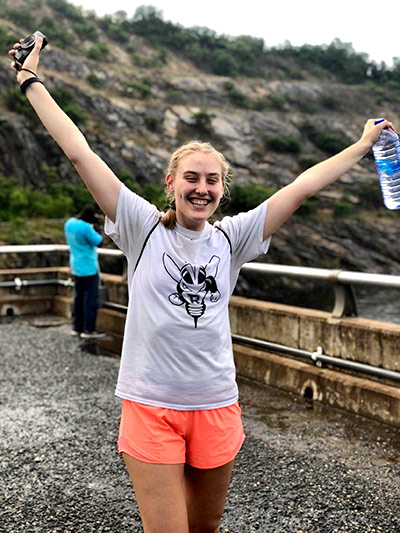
(83, 241)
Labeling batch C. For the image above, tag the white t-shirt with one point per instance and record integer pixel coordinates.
(177, 349)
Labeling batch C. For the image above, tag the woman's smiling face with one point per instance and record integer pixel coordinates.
(198, 188)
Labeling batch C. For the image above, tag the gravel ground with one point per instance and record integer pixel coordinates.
(303, 467)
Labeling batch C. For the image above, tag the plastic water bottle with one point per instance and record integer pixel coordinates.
(386, 152)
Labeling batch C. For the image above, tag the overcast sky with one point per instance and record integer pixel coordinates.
(300, 22)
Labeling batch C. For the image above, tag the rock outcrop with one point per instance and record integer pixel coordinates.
(137, 115)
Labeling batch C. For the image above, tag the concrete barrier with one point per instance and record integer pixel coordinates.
(356, 339)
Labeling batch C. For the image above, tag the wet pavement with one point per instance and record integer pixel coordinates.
(304, 467)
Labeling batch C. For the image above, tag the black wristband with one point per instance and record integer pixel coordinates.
(25, 84)
(27, 70)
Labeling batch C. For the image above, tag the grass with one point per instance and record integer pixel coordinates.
(32, 231)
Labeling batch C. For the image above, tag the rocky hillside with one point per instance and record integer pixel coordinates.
(136, 102)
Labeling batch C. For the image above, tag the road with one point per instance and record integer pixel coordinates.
(304, 467)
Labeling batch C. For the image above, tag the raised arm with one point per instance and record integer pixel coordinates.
(98, 177)
(285, 202)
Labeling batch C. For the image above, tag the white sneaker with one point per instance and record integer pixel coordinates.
(74, 333)
(93, 335)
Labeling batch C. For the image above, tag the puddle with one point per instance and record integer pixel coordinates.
(48, 322)
(281, 411)
(99, 346)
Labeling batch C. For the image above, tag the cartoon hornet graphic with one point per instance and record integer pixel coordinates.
(193, 284)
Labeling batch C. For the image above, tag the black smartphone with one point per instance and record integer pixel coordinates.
(27, 46)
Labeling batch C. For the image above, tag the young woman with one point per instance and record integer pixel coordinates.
(180, 426)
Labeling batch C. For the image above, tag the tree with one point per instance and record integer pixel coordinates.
(146, 13)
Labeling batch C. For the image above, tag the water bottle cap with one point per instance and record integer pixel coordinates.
(379, 120)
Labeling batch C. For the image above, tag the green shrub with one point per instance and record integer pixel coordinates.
(44, 204)
(235, 96)
(68, 102)
(22, 16)
(18, 199)
(370, 193)
(155, 194)
(326, 140)
(343, 208)
(224, 55)
(15, 101)
(338, 59)
(142, 61)
(86, 30)
(162, 55)
(330, 142)
(99, 52)
(307, 104)
(6, 186)
(380, 95)
(117, 26)
(19, 232)
(229, 86)
(277, 101)
(224, 64)
(153, 123)
(331, 102)
(309, 207)
(260, 104)
(77, 192)
(58, 200)
(117, 33)
(238, 98)
(245, 197)
(130, 181)
(156, 60)
(67, 10)
(202, 120)
(7, 39)
(94, 81)
(308, 161)
(56, 34)
(284, 144)
(49, 175)
(138, 90)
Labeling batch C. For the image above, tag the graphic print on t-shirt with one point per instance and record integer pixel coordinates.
(194, 282)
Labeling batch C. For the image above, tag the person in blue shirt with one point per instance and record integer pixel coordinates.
(83, 240)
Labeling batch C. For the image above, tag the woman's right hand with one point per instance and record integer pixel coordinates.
(31, 62)
(98, 177)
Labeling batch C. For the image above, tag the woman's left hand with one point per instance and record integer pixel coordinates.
(372, 130)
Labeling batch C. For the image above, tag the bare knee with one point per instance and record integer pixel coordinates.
(160, 495)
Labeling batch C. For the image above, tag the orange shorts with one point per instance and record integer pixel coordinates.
(203, 439)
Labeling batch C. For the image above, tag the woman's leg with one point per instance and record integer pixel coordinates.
(160, 494)
(206, 491)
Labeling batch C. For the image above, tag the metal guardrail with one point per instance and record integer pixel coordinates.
(342, 281)
(18, 283)
(37, 248)
(319, 358)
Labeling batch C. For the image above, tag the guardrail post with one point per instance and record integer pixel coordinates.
(345, 300)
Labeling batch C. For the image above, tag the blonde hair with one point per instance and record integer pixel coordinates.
(168, 220)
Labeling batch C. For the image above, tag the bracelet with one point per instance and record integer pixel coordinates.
(25, 84)
(27, 70)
